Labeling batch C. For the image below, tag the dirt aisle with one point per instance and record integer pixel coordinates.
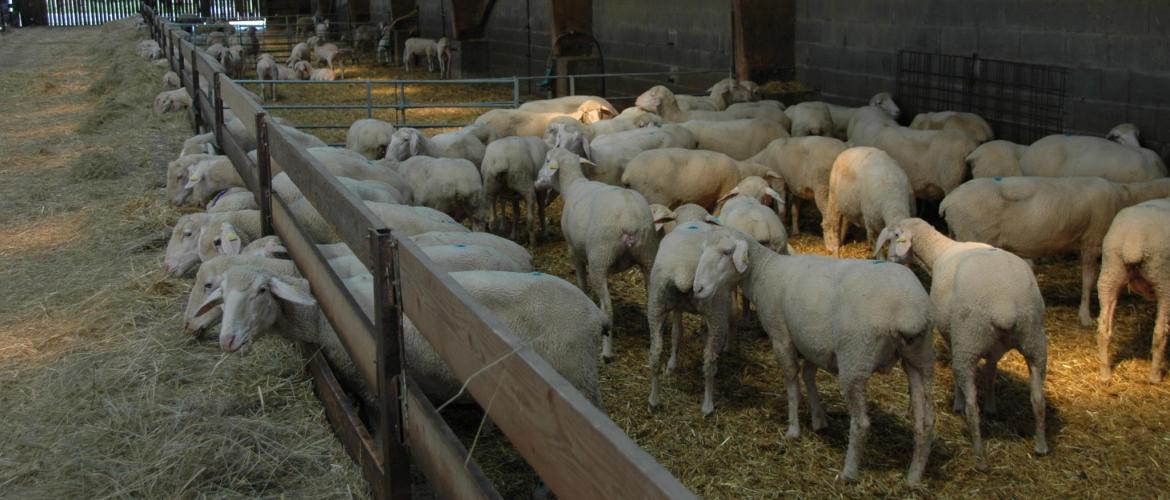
(100, 393)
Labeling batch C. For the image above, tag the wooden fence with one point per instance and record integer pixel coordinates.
(576, 449)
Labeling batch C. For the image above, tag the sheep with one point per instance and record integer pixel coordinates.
(407, 142)
(629, 119)
(606, 228)
(385, 53)
(867, 188)
(969, 123)
(463, 257)
(299, 70)
(208, 279)
(669, 293)
(748, 91)
(346, 163)
(216, 38)
(850, 317)
(232, 61)
(739, 139)
(996, 159)
(267, 69)
(1125, 133)
(805, 164)
(750, 216)
(767, 110)
(507, 247)
(198, 144)
(719, 96)
(255, 300)
(666, 220)
(148, 49)
(182, 252)
(367, 190)
(266, 246)
(424, 47)
(935, 161)
(170, 80)
(177, 173)
(1043, 216)
(224, 238)
(305, 25)
(216, 50)
(369, 137)
(510, 122)
(1079, 155)
(299, 52)
(613, 152)
(1135, 254)
(322, 75)
(662, 101)
(322, 30)
(443, 54)
(567, 104)
(674, 176)
(449, 185)
(328, 54)
(510, 165)
(810, 118)
(170, 101)
(842, 115)
(211, 176)
(986, 302)
(232, 199)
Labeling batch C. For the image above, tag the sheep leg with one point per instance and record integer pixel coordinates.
(966, 403)
(676, 332)
(515, 217)
(814, 398)
(599, 282)
(656, 316)
(786, 355)
(821, 199)
(1107, 292)
(853, 390)
(831, 224)
(716, 337)
(794, 206)
(1090, 266)
(920, 390)
(988, 375)
(1159, 347)
(530, 204)
(578, 268)
(1037, 368)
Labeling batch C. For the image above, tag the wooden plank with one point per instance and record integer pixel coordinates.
(574, 447)
(438, 453)
(240, 103)
(352, 325)
(244, 165)
(340, 410)
(348, 215)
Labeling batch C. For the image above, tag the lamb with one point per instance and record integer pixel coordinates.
(567, 104)
(299, 70)
(606, 228)
(986, 302)
(669, 293)
(662, 101)
(842, 115)
(810, 118)
(674, 176)
(613, 152)
(718, 98)
(934, 160)
(867, 188)
(805, 164)
(1079, 155)
(739, 139)
(507, 247)
(329, 54)
(170, 80)
(525, 302)
(850, 317)
(1043, 216)
(170, 101)
(969, 123)
(1136, 253)
(369, 137)
(449, 185)
(407, 142)
(511, 165)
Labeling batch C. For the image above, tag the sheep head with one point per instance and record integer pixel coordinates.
(404, 143)
(885, 102)
(722, 263)
(652, 100)
(1126, 133)
(251, 303)
(900, 240)
(182, 249)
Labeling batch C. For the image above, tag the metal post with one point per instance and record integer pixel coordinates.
(515, 92)
(391, 380)
(572, 85)
(401, 104)
(264, 167)
(369, 99)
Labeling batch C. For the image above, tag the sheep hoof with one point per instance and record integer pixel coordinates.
(793, 433)
(1156, 378)
(708, 409)
(1087, 319)
(819, 425)
(1041, 447)
(981, 465)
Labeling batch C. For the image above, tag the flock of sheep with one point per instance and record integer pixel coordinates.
(693, 191)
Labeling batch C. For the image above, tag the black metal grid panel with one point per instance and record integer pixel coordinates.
(1022, 102)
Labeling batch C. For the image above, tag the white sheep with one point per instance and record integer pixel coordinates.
(449, 185)
(986, 302)
(232, 199)
(210, 177)
(267, 69)
(1044, 216)
(232, 61)
(370, 137)
(849, 317)
(749, 215)
(329, 54)
(805, 164)
(216, 50)
(662, 101)
(566, 104)
(198, 144)
(1125, 133)
(464, 257)
(170, 101)
(606, 228)
(502, 245)
(170, 80)
(739, 139)
(463, 143)
(810, 118)
(1081, 155)
(718, 97)
(299, 70)
(969, 123)
(996, 159)
(674, 176)
(367, 190)
(1136, 253)
(421, 47)
(299, 52)
(510, 122)
(935, 161)
(510, 165)
(867, 188)
(322, 29)
(669, 292)
(177, 173)
(629, 119)
(842, 115)
(611, 153)
(208, 279)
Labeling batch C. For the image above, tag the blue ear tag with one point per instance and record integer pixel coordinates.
(998, 179)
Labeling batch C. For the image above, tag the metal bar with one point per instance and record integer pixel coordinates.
(515, 92)
(388, 333)
(572, 85)
(264, 174)
(369, 99)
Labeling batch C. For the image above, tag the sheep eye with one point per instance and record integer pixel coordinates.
(186, 234)
(207, 286)
(262, 290)
(216, 242)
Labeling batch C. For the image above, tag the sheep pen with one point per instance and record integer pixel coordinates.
(102, 395)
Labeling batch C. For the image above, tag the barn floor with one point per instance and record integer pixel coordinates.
(101, 395)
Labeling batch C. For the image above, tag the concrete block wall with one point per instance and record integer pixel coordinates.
(1118, 51)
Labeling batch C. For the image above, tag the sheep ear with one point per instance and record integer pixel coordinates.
(712, 219)
(661, 220)
(229, 240)
(777, 197)
(213, 299)
(588, 150)
(772, 175)
(902, 243)
(192, 180)
(730, 194)
(414, 144)
(739, 257)
(882, 239)
(291, 293)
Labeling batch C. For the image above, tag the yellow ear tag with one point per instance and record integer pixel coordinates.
(193, 178)
(901, 238)
(553, 166)
(232, 236)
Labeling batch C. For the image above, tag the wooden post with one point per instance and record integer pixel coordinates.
(264, 167)
(391, 379)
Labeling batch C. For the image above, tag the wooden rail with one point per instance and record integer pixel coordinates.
(576, 449)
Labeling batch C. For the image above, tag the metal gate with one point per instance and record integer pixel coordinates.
(1022, 102)
(94, 12)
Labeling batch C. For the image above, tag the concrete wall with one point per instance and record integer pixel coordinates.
(1118, 51)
